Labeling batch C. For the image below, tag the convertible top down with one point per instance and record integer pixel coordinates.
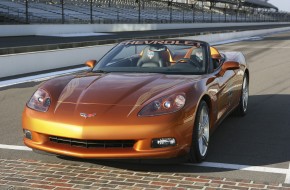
(143, 99)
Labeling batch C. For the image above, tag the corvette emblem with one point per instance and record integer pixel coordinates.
(87, 115)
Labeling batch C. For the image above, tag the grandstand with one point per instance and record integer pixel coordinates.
(138, 11)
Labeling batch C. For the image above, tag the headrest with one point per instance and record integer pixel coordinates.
(154, 55)
(215, 53)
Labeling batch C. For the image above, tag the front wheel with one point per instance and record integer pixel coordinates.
(200, 136)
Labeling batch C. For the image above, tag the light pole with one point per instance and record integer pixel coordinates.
(245, 11)
(91, 11)
(202, 11)
(193, 13)
(210, 7)
(62, 11)
(26, 12)
(156, 12)
(170, 9)
(139, 11)
(225, 12)
(237, 12)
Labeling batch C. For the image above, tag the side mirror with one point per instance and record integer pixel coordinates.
(91, 63)
(230, 65)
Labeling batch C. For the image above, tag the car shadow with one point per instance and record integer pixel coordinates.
(258, 139)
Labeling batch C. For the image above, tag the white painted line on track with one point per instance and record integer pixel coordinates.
(40, 77)
(287, 179)
(242, 167)
(14, 147)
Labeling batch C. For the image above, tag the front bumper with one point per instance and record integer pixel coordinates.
(142, 134)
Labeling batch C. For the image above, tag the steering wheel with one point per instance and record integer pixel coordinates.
(187, 60)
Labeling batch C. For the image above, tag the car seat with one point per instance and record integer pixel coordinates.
(154, 56)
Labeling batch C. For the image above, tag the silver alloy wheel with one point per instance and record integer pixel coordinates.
(203, 131)
(245, 95)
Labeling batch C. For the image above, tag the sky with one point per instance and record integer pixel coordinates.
(283, 5)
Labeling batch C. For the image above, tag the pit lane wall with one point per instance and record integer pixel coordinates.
(54, 29)
(24, 63)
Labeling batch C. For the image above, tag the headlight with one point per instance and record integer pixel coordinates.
(164, 105)
(40, 101)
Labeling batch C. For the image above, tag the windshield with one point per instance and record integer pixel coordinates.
(155, 56)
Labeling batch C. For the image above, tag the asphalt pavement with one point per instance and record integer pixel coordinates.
(261, 138)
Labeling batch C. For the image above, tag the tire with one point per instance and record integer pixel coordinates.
(200, 135)
(244, 98)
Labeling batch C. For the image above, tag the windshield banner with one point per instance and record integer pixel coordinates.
(162, 42)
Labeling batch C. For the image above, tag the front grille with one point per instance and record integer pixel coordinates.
(94, 143)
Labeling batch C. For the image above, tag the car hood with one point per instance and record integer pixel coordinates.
(113, 89)
(118, 89)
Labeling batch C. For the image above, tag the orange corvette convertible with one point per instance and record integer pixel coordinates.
(143, 99)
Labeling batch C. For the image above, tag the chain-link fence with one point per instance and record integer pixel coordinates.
(133, 11)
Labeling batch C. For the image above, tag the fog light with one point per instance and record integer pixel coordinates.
(163, 142)
(27, 134)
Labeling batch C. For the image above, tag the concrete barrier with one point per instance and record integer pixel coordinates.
(215, 38)
(16, 64)
(50, 29)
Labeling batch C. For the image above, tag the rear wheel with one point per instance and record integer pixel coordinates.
(200, 136)
(243, 104)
